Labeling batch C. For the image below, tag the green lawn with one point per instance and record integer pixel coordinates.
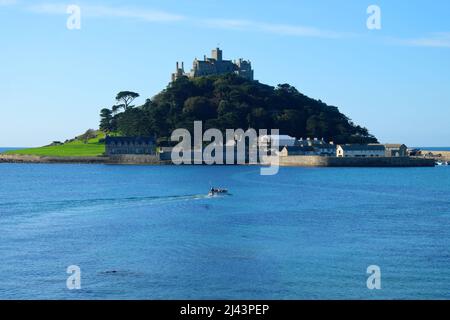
(75, 148)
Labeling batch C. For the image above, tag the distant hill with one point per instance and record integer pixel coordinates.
(232, 102)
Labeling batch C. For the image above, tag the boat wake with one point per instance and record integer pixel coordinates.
(73, 204)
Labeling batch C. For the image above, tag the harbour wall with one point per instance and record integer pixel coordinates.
(439, 155)
(135, 159)
(299, 161)
(318, 161)
(13, 158)
(118, 159)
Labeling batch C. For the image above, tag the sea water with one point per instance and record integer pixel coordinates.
(151, 232)
(9, 149)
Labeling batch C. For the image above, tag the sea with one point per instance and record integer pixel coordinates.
(9, 149)
(152, 232)
(434, 148)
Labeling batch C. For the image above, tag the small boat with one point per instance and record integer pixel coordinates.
(217, 191)
(440, 163)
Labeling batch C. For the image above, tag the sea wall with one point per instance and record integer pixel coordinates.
(119, 159)
(134, 159)
(439, 155)
(13, 158)
(317, 161)
(299, 161)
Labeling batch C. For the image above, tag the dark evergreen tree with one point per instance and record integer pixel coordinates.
(232, 102)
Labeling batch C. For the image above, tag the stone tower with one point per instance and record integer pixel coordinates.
(216, 54)
(179, 72)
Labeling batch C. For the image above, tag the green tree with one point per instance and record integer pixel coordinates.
(231, 102)
(125, 98)
(291, 122)
(134, 122)
(200, 108)
(106, 117)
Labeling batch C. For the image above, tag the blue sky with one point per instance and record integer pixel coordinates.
(395, 81)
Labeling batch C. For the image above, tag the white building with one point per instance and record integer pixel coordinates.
(360, 150)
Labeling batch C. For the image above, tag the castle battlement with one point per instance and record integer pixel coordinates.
(215, 65)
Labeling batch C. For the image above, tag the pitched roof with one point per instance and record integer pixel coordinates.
(298, 148)
(325, 146)
(135, 140)
(352, 147)
(170, 149)
(394, 145)
(279, 136)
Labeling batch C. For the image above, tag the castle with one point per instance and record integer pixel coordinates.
(215, 66)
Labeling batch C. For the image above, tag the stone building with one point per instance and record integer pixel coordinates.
(396, 150)
(215, 65)
(129, 145)
(321, 147)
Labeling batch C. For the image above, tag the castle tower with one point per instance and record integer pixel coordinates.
(179, 72)
(216, 54)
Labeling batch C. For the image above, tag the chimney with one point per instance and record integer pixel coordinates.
(182, 65)
(177, 66)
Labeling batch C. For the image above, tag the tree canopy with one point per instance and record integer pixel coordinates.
(124, 100)
(232, 102)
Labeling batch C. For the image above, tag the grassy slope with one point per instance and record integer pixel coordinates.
(71, 149)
